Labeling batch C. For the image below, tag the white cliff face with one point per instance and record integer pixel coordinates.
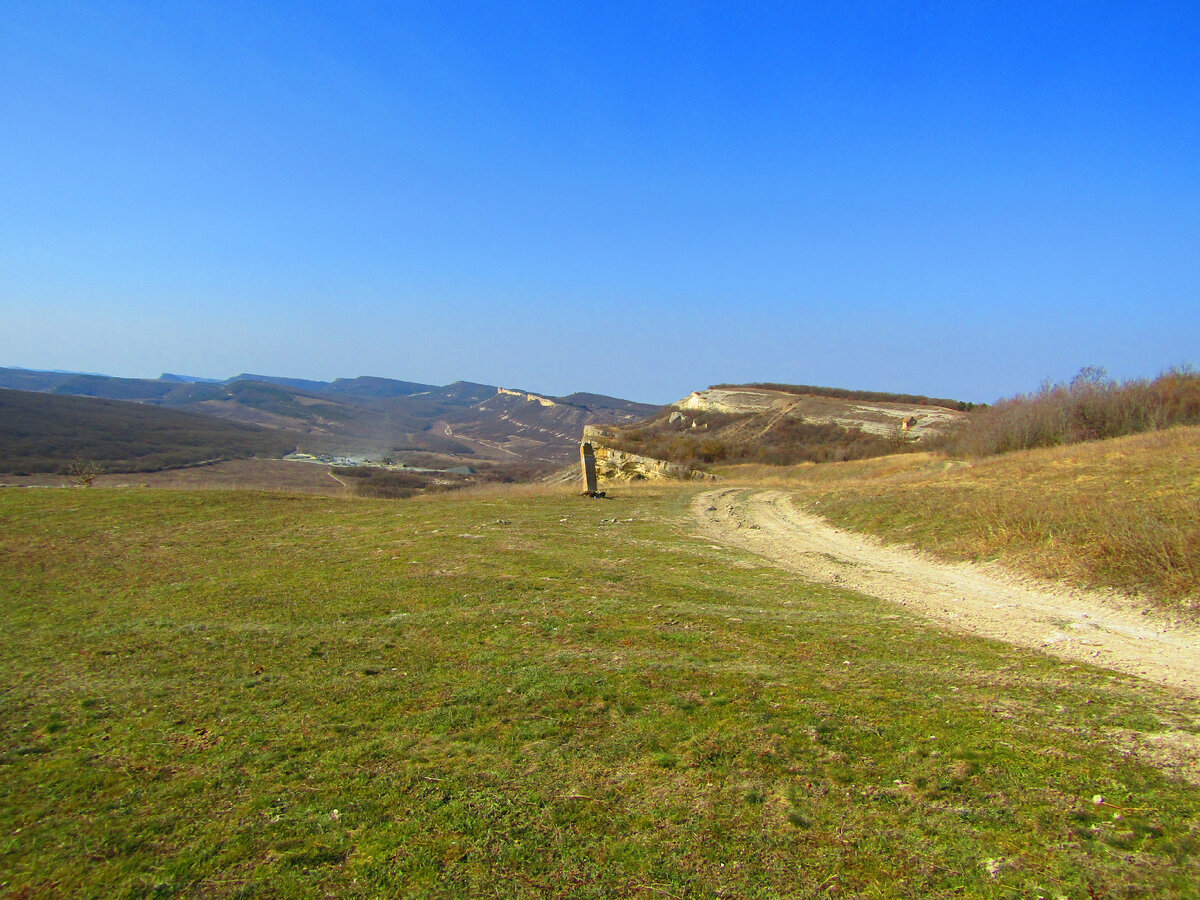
(755, 414)
(620, 465)
(885, 418)
(716, 400)
(532, 398)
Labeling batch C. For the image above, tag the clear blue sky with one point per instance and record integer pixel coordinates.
(641, 199)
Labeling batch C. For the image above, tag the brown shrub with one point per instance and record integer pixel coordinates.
(788, 441)
(1092, 407)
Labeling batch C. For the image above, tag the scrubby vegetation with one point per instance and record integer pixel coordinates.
(47, 433)
(393, 484)
(367, 481)
(1092, 407)
(400, 484)
(717, 440)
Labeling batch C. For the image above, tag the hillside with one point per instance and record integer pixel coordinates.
(44, 433)
(368, 415)
(780, 424)
(519, 424)
(869, 412)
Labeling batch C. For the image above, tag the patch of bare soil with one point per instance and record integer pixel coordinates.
(1081, 626)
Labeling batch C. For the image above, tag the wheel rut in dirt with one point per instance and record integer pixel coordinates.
(985, 600)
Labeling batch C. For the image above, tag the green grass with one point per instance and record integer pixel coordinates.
(528, 696)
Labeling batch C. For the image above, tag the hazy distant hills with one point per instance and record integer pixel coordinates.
(45, 432)
(366, 415)
(176, 420)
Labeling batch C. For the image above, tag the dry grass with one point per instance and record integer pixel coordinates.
(239, 474)
(1120, 514)
(508, 491)
(648, 489)
(286, 476)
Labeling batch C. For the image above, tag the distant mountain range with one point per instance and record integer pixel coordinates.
(366, 415)
(46, 432)
(137, 424)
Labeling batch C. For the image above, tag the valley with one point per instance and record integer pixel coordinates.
(365, 417)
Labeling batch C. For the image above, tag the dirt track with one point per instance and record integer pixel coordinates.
(984, 600)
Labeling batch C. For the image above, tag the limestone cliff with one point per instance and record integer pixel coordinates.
(725, 401)
(916, 421)
(620, 465)
(532, 398)
(780, 425)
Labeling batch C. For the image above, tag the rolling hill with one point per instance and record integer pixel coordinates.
(780, 424)
(41, 433)
(366, 415)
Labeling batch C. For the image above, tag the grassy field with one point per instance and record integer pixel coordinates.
(233, 474)
(529, 694)
(1121, 513)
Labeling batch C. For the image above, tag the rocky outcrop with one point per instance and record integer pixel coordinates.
(617, 465)
(913, 421)
(532, 398)
(727, 401)
(620, 465)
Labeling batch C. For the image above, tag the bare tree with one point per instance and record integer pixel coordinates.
(83, 472)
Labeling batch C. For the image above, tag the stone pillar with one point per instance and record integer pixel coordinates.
(587, 458)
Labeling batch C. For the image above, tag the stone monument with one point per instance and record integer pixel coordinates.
(587, 459)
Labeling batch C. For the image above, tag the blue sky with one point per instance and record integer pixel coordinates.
(640, 199)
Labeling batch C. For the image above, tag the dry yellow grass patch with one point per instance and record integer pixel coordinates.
(1122, 513)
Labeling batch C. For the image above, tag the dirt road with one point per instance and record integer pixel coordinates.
(985, 600)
